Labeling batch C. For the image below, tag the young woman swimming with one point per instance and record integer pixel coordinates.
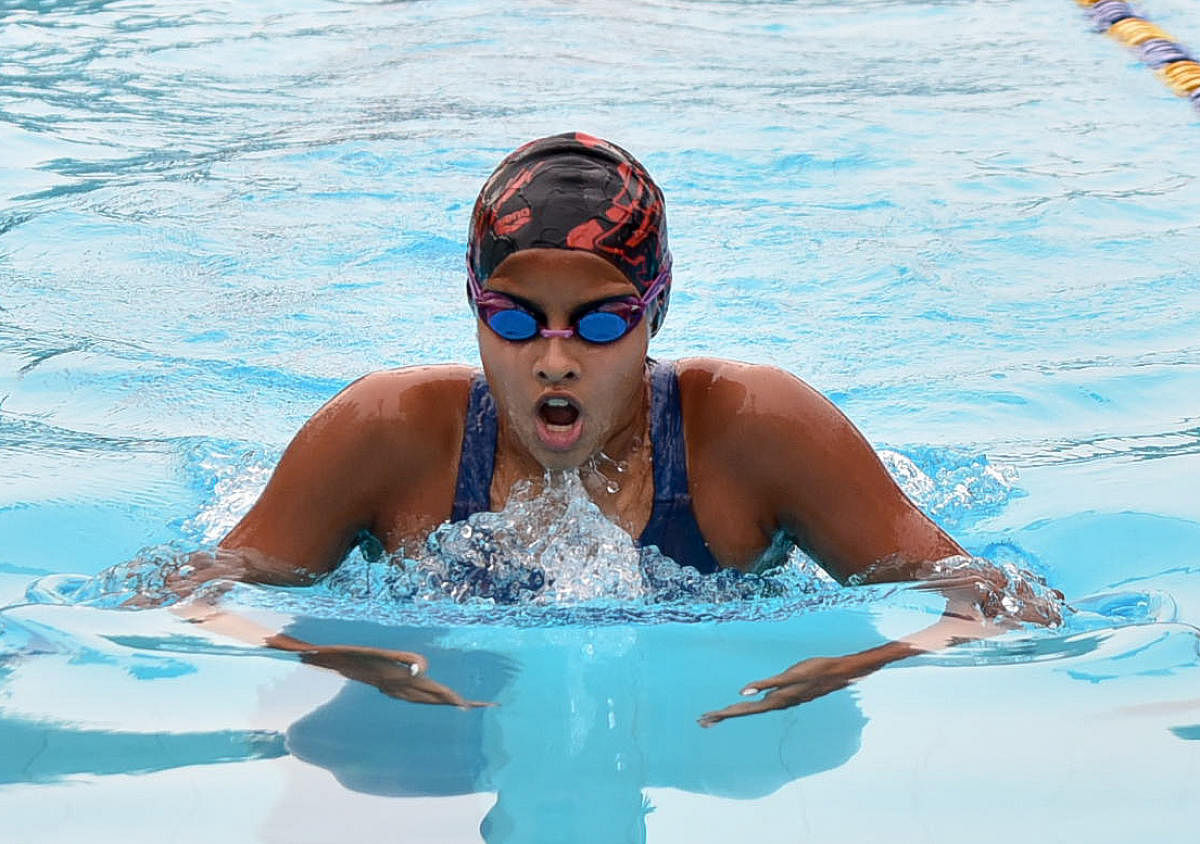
(716, 463)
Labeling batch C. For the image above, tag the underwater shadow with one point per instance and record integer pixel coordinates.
(46, 751)
(588, 719)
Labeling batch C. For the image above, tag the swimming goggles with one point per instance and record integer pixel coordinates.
(599, 323)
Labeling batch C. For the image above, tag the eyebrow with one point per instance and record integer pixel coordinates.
(524, 303)
(575, 312)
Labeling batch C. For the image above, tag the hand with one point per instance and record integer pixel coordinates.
(168, 581)
(398, 674)
(804, 681)
(985, 592)
(989, 597)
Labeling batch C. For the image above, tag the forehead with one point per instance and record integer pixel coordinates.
(559, 276)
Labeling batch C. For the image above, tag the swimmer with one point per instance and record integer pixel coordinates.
(722, 464)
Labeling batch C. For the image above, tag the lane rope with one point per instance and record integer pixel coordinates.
(1171, 61)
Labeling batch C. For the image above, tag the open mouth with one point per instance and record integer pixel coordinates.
(558, 412)
(559, 423)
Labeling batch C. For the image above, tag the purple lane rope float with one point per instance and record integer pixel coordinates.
(1173, 63)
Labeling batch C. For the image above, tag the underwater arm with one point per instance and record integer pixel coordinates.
(980, 603)
(835, 497)
(399, 674)
(324, 491)
(969, 599)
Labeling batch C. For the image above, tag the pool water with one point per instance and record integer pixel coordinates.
(975, 226)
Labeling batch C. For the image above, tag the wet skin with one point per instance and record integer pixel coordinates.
(765, 452)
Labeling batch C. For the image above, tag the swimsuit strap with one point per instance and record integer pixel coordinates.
(473, 493)
(672, 526)
(666, 435)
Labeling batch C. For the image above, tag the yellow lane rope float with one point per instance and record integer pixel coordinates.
(1176, 66)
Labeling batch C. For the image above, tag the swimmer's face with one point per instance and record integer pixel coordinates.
(563, 399)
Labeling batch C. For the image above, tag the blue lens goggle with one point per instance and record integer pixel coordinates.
(606, 322)
(603, 322)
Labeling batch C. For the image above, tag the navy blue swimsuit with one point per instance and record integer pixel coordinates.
(672, 526)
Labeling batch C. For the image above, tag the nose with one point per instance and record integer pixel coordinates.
(555, 361)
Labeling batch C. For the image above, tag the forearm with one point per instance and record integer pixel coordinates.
(235, 626)
(250, 566)
(184, 575)
(953, 628)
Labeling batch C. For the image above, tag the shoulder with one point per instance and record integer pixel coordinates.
(756, 394)
(408, 395)
(760, 418)
(411, 414)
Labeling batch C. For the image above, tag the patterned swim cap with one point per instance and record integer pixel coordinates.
(574, 191)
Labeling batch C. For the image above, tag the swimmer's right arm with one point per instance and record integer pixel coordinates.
(325, 490)
(380, 434)
(305, 520)
(403, 675)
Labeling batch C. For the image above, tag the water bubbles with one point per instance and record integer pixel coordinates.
(596, 466)
(1002, 593)
(551, 556)
(234, 478)
(555, 546)
(954, 487)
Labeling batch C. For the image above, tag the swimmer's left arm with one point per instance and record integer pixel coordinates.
(817, 676)
(823, 483)
(820, 481)
(963, 621)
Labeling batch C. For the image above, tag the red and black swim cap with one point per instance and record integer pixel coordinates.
(574, 191)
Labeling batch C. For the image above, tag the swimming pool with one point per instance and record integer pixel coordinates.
(974, 226)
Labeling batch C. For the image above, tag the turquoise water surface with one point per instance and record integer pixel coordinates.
(975, 226)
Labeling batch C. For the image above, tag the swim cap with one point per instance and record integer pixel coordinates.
(574, 191)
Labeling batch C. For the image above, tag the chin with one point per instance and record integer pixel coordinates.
(561, 461)
(553, 461)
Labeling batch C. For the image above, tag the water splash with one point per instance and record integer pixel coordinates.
(553, 549)
(1003, 591)
(232, 477)
(954, 487)
(552, 545)
(549, 557)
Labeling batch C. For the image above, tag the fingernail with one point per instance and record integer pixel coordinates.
(749, 690)
(414, 668)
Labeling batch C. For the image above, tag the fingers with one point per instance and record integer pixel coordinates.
(757, 686)
(415, 661)
(467, 705)
(425, 690)
(802, 671)
(737, 710)
(449, 696)
(808, 679)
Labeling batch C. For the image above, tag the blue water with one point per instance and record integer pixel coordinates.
(974, 226)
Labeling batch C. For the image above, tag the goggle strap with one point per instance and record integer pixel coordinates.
(656, 286)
